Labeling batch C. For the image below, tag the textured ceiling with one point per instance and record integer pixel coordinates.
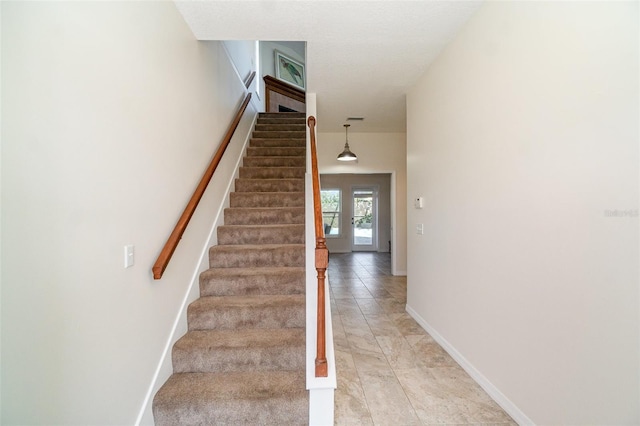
(362, 56)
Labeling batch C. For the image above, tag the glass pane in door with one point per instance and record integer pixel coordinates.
(363, 217)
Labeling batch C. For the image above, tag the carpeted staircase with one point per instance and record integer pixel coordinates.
(243, 359)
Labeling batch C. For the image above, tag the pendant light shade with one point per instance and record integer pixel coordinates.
(347, 155)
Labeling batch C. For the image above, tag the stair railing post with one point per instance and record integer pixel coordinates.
(321, 257)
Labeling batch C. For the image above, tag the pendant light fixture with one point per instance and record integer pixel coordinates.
(347, 155)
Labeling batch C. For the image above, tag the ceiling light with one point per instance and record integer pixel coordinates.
(347, 155)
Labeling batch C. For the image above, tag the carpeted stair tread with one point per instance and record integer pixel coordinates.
(288, 134)
(280, 127)
(274, 161)
(262, 215)
(252, 281)
(269, 185)
(281, 120)
(239, 312)
(260, 234)
(275, 151)
(256, 255)
(236, 398)
(272, 172)
(239, 350)
(266, 199)
(279, 142)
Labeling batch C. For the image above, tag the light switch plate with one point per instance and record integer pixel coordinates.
(128, 256)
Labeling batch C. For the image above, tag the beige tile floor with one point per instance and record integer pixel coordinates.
(390, 371)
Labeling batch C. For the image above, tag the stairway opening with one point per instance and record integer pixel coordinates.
(242, 360)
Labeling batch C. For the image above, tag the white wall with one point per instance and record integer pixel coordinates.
(243, 56)
(110, 112)
(293, 49)
(521, 137)
(377, 153)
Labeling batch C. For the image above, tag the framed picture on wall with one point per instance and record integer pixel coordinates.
(290, 70)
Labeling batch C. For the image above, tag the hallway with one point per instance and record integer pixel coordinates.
(390, 371)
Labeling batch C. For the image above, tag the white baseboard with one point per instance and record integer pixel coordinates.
(476, 375)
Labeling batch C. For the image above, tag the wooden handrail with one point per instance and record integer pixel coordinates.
(322, 256)
(249, 80)
(178, 230)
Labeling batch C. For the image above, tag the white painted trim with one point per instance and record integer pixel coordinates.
(394, 225)
(180, 323)
(475, 374)
(400, 273)
(321, 407)
(321, 389)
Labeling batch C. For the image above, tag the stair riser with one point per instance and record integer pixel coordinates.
(203, 360)
(262, 120)
(241, 257)
(281, 115)
(280, 134)
(275, 152)
(272, 172)
(274, 162)
(273, 216)
(265, 199)
(280, 127)
(267, 143)
(269, 185)
(260, 234)
(242, 317)
(215, 283)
